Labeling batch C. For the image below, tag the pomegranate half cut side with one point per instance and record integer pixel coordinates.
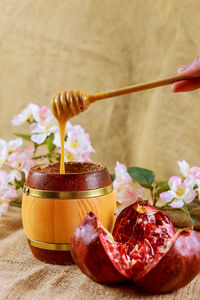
(147, 234)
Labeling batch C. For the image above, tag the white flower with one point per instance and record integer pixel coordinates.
(3, 207)
(14, 145)
(7, 148)
(184, 167)
(7, 192)
(77, 146)
(45, 126)
(193, 172)
(3, 152)
(41, 113)
(56, 140)
(122, 174)
(180, 192)
(187, 171)
(123, 186)
(20, 161)
(25, 115)
(14, 174)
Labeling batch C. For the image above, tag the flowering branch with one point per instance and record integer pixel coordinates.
(179, 192)
(16, 158)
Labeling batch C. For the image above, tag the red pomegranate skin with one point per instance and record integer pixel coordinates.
(178, 267)
(88, 253)
(174, 269)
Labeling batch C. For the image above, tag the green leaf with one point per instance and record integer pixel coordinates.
(20, 184)
(112, 177)
(162, 187)
(194, 220)
(23, 136)
(191, 206)
(143, 176)
(53, 156)
(185, 209)
(162, 184)
(12, 203)
(35, 146)
(58, 158)
(49, 142)
(147, 186)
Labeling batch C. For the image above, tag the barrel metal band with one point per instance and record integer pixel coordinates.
(49, 246)
(69, 194)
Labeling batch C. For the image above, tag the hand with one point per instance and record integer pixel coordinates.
(193, 70)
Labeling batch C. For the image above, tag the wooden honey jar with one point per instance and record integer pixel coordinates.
(54, 204)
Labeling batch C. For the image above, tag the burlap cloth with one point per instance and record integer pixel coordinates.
(23, 277)
(96, 45)
(49, 46)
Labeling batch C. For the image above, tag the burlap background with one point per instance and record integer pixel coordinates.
(49, 46)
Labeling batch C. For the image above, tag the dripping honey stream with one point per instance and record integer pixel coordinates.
(70, 103)
(64, 106)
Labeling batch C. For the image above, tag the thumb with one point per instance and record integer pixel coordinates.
(192, 69)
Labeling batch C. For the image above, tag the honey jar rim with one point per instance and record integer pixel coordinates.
(95, 179)
(89, 167)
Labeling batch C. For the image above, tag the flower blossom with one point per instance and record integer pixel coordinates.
(13, 145)
(20, 161)
(186, 170)
(3, 152)
(45, 124)
(7, 192)
(194, 172)
(25, 115)
(77, 146)
(180, 192)
(7, 148)
(123, 186)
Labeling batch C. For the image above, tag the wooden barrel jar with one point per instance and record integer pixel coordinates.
(54, 204)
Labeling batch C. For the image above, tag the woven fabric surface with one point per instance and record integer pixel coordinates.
(23, 277)
(96, 45)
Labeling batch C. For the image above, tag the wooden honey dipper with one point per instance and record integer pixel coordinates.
(70, 103)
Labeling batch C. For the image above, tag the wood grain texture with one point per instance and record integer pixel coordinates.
(54, 220)
(138, 87)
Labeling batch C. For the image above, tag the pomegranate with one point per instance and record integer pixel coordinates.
(144, 248)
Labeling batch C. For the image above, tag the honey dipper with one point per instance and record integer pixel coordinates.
(70, 103)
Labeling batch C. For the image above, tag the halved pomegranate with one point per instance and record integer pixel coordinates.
(143, 248)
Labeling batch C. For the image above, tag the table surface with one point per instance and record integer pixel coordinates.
(23, 277)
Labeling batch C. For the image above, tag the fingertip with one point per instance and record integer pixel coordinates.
(182, 69)
(192, 69)
(174, 88)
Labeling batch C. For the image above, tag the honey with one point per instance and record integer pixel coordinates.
(64, 106)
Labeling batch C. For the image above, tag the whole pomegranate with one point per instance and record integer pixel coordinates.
(144, 248)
